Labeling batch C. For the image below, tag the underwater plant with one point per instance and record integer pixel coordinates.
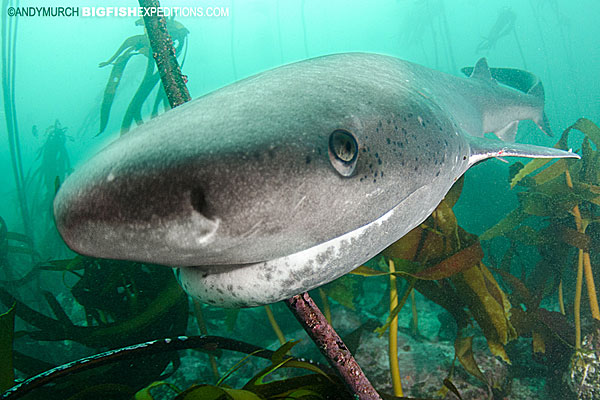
(565, 197)
(43, 182)
(443, 262)
(318, 385)
(132, 46)
(9, 45)
(134, 303)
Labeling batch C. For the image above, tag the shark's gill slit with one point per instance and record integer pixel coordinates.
(343, 151)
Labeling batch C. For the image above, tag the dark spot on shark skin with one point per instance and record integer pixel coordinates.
(437, 173)
(211, 301)
(308, 159)
(389, 141)
(230, 287)
(389, 122)
(382, 174)
(375, 174)
(376, 155)
(376, 129)
(379, 124)
(268, 276)
(220, 290)
(379, 161)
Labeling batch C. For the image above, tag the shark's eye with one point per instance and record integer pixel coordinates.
(343, 151)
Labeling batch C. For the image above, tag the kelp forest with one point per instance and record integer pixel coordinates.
(441, 314)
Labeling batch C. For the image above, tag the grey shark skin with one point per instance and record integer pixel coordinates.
(291, 178)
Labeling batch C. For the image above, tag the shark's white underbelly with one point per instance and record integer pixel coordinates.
(270, 281)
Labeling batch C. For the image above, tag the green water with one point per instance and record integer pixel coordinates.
(56, 77)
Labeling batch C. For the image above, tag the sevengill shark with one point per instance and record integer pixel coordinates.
(286, 180)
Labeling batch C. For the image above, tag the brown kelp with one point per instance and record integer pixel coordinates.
(444, 263)
(558, 217)
(566, 196)
(132, 46)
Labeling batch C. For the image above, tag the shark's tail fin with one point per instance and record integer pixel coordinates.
(482, 148)
(518, 79)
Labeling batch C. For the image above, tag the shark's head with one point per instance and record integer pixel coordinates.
(256, 171)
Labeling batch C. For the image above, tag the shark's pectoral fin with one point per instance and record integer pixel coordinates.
(482, 148)
(509, 132)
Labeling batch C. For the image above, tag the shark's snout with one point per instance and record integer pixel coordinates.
(107, 209)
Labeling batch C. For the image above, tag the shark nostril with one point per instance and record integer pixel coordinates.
(198, 201)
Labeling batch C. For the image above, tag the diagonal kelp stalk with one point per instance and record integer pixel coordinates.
(331, 346)
(9, 49)
(164, 54)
